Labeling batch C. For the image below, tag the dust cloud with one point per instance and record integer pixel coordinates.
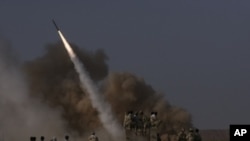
(22, 116)
(54, 81)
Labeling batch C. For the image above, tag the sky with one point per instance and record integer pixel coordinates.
(196, 52)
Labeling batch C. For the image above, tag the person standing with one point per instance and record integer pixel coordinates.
(197, 136)
(93, 137)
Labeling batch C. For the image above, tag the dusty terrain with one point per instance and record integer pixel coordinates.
(207, 135)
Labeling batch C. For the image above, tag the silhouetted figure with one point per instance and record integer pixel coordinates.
(32, 138)
(158, 137)
(197, 136)
(66, 138)
(42, 138)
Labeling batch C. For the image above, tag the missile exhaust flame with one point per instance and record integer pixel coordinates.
(105, 113)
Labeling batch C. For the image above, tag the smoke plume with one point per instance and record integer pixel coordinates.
(22, 116)
(53, 79)
(104, 110)
(127, 92)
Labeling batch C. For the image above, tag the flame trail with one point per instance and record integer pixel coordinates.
(105, 113)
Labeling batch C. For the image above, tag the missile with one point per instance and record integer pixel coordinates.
(57, 28)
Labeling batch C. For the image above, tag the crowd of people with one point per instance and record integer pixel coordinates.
(92, 137)
(140, 123)
(42, 138)
(191, 135)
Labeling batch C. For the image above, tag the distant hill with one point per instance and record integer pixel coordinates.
(207, 135)
(215, 135)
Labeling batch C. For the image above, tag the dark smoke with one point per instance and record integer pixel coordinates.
(127, 92)
(53, 79)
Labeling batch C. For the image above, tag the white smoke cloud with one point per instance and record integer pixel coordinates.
(105, 113)
(20, 115)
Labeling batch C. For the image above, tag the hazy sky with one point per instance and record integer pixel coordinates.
(196, 52)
